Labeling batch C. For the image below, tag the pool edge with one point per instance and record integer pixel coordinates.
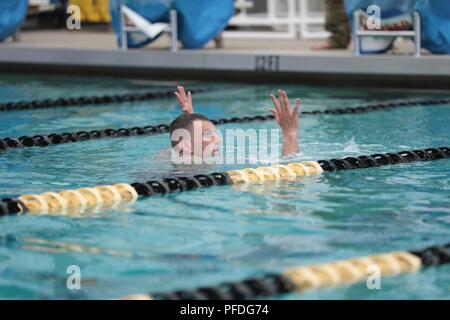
(427, 72)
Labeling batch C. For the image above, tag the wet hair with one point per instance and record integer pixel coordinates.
(185, 121)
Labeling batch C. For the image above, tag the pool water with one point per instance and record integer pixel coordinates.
(207, 236)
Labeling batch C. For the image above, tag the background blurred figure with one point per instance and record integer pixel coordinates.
(336, 22)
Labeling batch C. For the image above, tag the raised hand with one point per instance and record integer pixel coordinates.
(288, 120)
(185, 100)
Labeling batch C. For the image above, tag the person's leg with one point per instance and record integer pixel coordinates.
(336, 22)
(340, 38)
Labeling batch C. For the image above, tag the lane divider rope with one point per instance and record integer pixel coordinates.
(304, 278)
(45, 140)
(88, 100)
(101, 197)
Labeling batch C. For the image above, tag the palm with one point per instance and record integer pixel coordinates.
(287, 119)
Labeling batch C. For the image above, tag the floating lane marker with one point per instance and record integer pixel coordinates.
(319, 276)
(89, 100)
(72, 202)
(45, 140)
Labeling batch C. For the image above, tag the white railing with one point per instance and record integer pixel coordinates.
(41, 5)
(285, 19)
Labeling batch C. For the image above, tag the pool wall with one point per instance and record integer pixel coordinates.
(383, 71)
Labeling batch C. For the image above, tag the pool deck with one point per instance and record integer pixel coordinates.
(96, 53)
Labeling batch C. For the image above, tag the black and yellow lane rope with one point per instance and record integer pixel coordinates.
(85, 200)
(304, 278)
(45, 140)
(89, 100)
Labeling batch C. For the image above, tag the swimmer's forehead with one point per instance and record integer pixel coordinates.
(206, 125)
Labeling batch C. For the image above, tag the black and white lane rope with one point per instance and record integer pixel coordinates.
(45, 140)
(303, 278)
(86, 200)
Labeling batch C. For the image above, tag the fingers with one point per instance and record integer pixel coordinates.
(182, 92)
(284, 108)
(189, 96)
(180, 99)
(286, 105)
(286, 117)
(275, 114)
(297, 106)
(280, 99)
(276, 103)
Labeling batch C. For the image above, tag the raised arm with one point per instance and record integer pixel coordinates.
(288, 120)
(185, 100)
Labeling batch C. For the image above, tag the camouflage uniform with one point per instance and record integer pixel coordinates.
(337, 24)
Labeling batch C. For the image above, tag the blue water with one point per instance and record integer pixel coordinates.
(228, 233)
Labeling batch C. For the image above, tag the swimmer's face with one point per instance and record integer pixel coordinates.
(204, 139)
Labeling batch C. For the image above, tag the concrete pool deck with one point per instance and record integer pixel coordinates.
(96, 53)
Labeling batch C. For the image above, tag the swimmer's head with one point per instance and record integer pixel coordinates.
(194, 134)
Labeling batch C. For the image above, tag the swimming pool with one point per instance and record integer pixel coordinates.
(207, 236)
